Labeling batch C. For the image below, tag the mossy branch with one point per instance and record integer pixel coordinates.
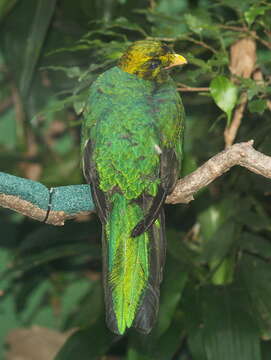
(32, 198)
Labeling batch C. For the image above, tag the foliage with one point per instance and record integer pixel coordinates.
(215, 301)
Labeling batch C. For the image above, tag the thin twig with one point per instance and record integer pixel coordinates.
(193, 89)
(231, 131)
(234, 28)
(262, 41)
(246, 30)
(183, 87)
(200, 43)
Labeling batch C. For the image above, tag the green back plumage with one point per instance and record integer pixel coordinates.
(146, 116)
(132, 138)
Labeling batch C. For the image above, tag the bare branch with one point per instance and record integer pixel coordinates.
(230, 132)
(76, 200)
(26, 208)
(242, 154)
(193, 89)
(200, 43)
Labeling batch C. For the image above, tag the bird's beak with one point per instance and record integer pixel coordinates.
(176, 61)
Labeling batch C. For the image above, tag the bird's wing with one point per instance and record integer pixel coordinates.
(92, 177)
(170, 119)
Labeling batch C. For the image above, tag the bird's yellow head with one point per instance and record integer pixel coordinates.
(149, 58)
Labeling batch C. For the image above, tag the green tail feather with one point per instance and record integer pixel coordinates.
(128, 265)
(132, 268)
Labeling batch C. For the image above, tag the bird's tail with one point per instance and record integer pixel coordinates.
(132, 268)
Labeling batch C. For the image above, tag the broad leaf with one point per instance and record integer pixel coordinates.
(224, 93)
(43, 15)
(222, 327)
(257, 106)
(255, 275)
(253, 12)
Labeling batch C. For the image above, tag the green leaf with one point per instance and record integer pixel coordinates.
(255, 244)
(175, 279)
(71, 72)
(87, 344)
(216, 222)
(192, 308)
(210, 219)
(44, 236)
(224, 273)
(255, 275)
(164, 348)
(224, 93)
(220, 243)
(253, 12)
(255, 220)
(257, 106)
(53, 253)
(9, 320)
(34, 43)
(91, 305)
(124, 23)
(170, 8)
(229, 331)
(194, 23)
(54, 105)
(220, 325)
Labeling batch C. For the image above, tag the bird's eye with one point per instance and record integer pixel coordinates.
(155, 63)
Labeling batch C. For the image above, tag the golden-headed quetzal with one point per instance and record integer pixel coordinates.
(132, 150)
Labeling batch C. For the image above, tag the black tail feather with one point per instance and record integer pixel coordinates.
(148, 310)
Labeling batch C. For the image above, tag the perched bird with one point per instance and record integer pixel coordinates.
(132, 150)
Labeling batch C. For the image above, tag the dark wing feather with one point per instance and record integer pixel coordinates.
(152, 214)
(92, 178)
(169, 171)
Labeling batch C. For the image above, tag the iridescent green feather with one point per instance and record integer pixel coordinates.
(130, 121)
(130, 160)
(128, 260)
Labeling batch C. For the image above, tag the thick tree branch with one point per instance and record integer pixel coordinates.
(242, 154)
(32, 198)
